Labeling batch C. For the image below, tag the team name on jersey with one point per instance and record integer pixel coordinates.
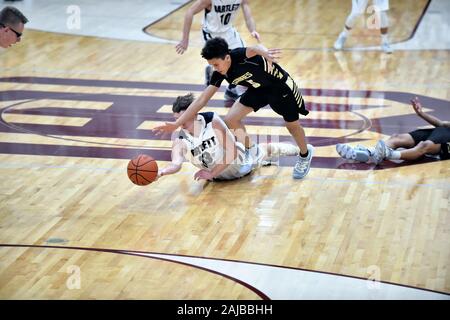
(205, 145)
(244, 77)
(226, 8)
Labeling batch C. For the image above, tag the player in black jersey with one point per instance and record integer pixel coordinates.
(267, 83)
(431, 142)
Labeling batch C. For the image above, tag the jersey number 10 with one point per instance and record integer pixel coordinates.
(225, 18)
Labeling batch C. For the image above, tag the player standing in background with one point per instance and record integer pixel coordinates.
(218, 22)
(358, 8)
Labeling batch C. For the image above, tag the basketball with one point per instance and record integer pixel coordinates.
(142, 170)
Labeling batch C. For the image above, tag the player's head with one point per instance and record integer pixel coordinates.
(181, 104)
(217, 54)
(12, 23)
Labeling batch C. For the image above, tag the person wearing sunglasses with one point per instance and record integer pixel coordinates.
(12, 24)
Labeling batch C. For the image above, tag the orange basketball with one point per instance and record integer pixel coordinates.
(142, 170)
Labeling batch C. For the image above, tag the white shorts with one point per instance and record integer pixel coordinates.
(360, 6)
(231, 36)
(242, 168)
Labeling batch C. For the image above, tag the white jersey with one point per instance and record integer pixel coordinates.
(221, 16)
(205, 151)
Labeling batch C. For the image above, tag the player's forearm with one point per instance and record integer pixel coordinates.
(431, 119)
(255, 50)
(188, 18)
(249, 20)
(170, 169)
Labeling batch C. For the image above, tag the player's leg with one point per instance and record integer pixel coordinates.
(234, 121)
(286, 100)
(382, 7)
(303, 163)
(403, 140)
(358, 7)
(423, 148)
(382, 151)
(274, 150)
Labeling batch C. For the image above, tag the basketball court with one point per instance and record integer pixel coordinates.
(81, 92)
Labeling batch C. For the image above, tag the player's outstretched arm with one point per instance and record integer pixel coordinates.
(427, 117)
(178, 152)
(198, 6)
(249, 21)
(190, 112)
(272, 55)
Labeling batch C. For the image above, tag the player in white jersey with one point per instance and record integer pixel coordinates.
(218, 22)
(209, 145)
(358, 7)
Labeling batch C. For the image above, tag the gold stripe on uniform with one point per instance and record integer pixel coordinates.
(293, 86)
(265, 64)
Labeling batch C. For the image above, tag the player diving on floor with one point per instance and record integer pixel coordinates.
(208, 144)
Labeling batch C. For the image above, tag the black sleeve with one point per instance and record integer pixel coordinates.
(238, 54)
(216, 79)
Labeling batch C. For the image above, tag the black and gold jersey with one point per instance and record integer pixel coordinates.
(254, 72)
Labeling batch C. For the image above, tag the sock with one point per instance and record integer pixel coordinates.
(344, 32)
(396, 155)
(384, 38)
(304, 155)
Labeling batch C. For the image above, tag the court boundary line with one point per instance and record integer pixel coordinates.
(140, 254)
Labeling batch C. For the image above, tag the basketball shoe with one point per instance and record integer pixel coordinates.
(303, 165)
(359, 153)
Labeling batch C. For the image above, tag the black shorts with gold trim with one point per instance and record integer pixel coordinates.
(284, 98)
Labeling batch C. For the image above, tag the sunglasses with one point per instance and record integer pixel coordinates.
(18, 34)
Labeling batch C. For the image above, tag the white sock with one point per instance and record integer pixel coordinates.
(396, 155)
(384, 38)
(344, 32)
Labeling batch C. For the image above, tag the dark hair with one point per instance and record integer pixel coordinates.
(215, 48)
(182, 102)
(10, 16)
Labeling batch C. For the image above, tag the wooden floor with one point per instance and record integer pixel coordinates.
(75, 109)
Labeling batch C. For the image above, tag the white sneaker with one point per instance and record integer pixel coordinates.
(386, 48)
(339, 44)
(358, 153)
(303, 165)
(380, 152)
(257, 154)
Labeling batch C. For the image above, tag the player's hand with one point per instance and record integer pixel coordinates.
(273, 55)
(158, 176)
(168, 127)
(182, 46)
(203, 174)
(256, 36)
(417, 105)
